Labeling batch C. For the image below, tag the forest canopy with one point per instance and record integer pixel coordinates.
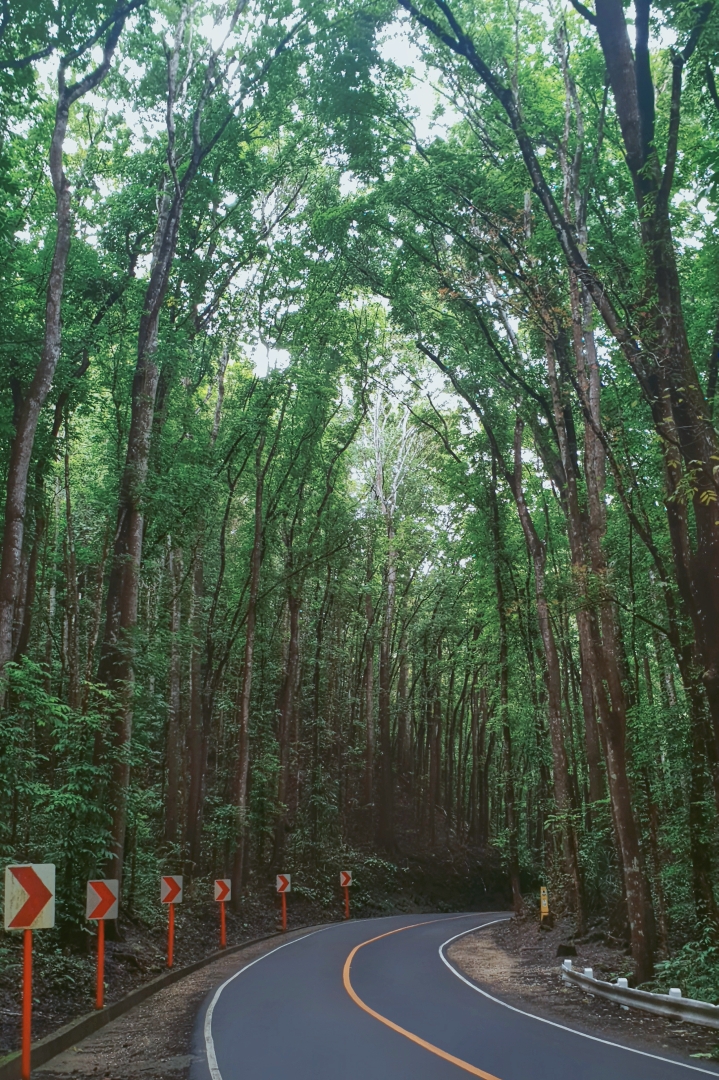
(358, 448)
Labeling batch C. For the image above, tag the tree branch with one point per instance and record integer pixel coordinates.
(584, 12)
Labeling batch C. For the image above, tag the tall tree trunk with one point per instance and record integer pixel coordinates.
(116, 669)
(243, 750)
(318, 721)
(369, 704)
(404, 758)
(474, 778)
(285, 707)
(96, 621)
(197, 735)
(25, 610)
(483, 831)
(174, 750)
(28, 414)
(72, 603)
(670, 380)
(435, 750)
(509, 786)
(202, 676)
(562, 787)
(579, 524)
(385, 821)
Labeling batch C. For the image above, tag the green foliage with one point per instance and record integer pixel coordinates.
(403, 293)
(694, 968)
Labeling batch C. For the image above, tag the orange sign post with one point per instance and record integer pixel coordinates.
(171, 893)
(223, 893)
(345, 882)
(102, 902)
(284, 885)
(29, 905)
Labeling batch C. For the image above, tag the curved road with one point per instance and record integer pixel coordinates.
(377, 1000)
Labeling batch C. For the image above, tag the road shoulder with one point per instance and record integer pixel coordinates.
(154, 1040)
(519, 966)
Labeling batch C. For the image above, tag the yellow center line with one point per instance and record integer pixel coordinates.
(395, 1027)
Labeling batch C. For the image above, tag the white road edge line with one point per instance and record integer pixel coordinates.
(209, 1041)
(552, 1023)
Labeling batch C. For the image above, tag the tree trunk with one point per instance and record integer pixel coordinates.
(197, 734)
(243, 749)
(25, 610)
(435, 751)
(116, 669)
(562, 788)
(174, 750)
(26, 422)
(285, 706)
(369, 705)
(509, 788)
(96, 621)
(385, 823)
(72, 603)
(404, 758)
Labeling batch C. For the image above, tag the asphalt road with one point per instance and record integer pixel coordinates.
(327, 1005)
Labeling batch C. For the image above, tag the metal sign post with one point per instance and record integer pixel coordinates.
(102, 902)
(223, 893)
(284, 885)
(345, 882)
(171, 893)
(29, 905)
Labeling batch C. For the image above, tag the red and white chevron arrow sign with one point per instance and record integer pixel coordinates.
(103, 899)
(345, 878)
(30, 896)
(284, 883)
(223, 889)
(171, 889)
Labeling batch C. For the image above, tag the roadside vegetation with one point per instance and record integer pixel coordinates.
(358, 450)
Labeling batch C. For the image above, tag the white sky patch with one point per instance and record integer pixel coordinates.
(422, 94)
(349, 185)
(265, 358)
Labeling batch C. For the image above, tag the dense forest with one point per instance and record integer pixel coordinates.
(360, 468)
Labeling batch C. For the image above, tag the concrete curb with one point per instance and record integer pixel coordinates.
(671, 1004)
(51, 1045)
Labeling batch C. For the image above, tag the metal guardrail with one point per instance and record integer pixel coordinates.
(671, 1004)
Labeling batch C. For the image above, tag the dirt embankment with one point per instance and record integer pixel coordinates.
(518, 962)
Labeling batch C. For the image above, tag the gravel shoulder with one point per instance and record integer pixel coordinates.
(153, 1041)
(518, 963)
